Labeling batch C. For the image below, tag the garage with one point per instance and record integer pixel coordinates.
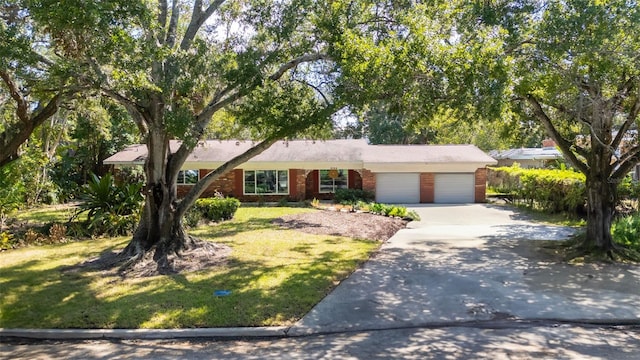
(454, 188)
(398, 188)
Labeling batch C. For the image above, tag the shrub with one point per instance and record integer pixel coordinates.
(393, 210)
(112, 209)
(192, 217)
(625, 231)
(628, 189)
(57, 233)
(6, 241)
(353, 196)
(216, 209)
(550, 190)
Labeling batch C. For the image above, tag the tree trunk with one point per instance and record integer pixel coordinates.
(601, 202)
(160, 228)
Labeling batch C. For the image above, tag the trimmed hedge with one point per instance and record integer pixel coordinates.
(551, 190)
(217, 209)
(353, 196)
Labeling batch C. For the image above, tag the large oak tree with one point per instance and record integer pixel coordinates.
(571, 66)
(175, 64)
(576, 70)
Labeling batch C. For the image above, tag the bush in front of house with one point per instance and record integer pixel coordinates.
(551, 190)
(212, 209)
(353, 196)
(394, 211)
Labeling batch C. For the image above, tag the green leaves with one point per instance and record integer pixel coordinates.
(285, 109)
(111, 208)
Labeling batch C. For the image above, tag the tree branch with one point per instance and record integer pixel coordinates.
(170, 40)
(631, 119)
(306, 83)
(295, 62)
(197, 19)
(10, 139)
(204, 183)
(623, 165)
(22, 110)
(162, 14)
(132, 108)
(564, 145)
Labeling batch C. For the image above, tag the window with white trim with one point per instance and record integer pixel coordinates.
(188, 177)
(332, 179)
(266, 182)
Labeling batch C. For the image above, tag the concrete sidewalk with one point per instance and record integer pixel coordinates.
(473, 263)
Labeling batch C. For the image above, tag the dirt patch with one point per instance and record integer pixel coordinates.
(353, 225)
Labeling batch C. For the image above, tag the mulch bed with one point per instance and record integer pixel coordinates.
(353, 225)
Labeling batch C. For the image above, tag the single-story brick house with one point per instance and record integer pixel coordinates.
(307, 169)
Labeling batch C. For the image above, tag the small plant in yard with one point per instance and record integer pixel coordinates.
(283, 202)
(625, 231)
(6, 240)
(33, 237)
(111, 208)
(57, 233)
(393, 210)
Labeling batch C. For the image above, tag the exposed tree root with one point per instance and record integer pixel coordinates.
(577, 250)
(199, 255)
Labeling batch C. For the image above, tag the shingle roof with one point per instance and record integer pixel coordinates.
(547, 153)
(318, 151)
(426, 154)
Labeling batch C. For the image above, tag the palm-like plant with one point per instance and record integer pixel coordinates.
(111, 208)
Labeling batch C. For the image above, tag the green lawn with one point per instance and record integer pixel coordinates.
(47, 214)
(275, 276)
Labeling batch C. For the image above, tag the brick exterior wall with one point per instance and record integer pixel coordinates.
(368, 180)
(481, 185)
(303, 187)
(312, 185)
(232, 184)
(427, 187)
(225, 185)
(297, 184)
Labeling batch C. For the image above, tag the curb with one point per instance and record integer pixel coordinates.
(149, 334)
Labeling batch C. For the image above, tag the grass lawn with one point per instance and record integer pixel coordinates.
(47, 214)
(275, 276)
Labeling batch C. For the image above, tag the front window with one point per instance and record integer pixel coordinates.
(333, 179)
(259, 182)
(188, 177)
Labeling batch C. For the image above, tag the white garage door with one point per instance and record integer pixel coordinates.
(454, 188)
(398, 188)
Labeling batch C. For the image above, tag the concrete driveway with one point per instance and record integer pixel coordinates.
(473, 263)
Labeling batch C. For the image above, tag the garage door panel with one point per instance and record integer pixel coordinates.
(454, 188)
(398, 188)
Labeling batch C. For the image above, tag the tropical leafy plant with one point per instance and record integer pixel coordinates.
(112, 209)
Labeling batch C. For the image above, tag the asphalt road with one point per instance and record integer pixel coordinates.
(526, 342)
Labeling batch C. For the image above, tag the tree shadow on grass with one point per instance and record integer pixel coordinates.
(85, 298)
(231, 228)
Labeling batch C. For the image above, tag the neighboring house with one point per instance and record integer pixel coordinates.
(529, 157)
(306, 169)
